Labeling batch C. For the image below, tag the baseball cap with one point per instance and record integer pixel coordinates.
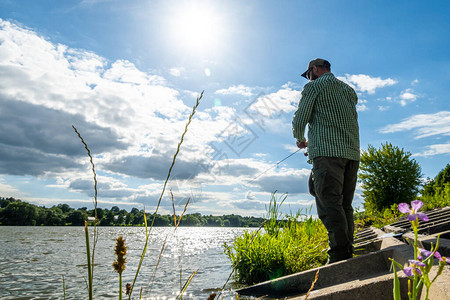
(316, 62)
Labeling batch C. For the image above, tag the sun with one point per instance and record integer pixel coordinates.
(197, 27)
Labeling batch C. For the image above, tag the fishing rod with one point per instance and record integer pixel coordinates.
(267, 170)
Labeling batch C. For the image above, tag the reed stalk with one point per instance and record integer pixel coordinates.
(88, 254)
(64, 287)
(95, 197)
(147, 232)
(312, 284)
(176, 224)
(186, 284)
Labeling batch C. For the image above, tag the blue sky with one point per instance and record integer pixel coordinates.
(127, 73)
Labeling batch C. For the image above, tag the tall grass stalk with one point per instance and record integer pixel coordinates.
(176, 224)
(96, 222)
(274, 215)
(88, 253)
(147, 231)
(186, 284)
(64, 287)
(312, 284)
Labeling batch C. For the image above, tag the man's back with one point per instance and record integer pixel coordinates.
(328, 105)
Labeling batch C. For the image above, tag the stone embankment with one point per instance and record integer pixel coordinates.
(369, 275)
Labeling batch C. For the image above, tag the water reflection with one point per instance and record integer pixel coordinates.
(34, 259)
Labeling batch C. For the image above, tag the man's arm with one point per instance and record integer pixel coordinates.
(303, 114)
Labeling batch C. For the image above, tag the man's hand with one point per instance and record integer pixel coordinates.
(303, 144)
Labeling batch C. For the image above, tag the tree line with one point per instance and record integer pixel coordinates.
(15, 212)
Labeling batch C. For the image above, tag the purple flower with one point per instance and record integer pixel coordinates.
(426, 253)
(442, 258)
(409, 271)
(413, 212)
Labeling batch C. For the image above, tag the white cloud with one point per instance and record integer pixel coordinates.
(361, 107)
(176, 71)
(383, 108)
(9, 190)
(124, 71)
(121, 97)
(366, 83)
(435, 150)
(236, 90)
(425, 125)
(407, 96)
(85, 202)
(122, 112)
(270, 112)
(284, 100)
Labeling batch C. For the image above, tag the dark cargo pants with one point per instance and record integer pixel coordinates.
(333, 182)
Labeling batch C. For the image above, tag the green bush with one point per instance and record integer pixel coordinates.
(440, 197)
(436, 193)
(286, 246)
(376, 218)
(388, 175)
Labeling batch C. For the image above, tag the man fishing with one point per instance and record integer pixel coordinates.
(328, 107)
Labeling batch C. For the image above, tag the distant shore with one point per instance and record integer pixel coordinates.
(15, 212)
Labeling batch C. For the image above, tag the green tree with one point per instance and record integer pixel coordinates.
(54, 217)
(100, 213)
(160, 220)
(120, 219)
(65, 208)
(191, 220)
(19, 213)
(213, 221)
(388, 176)
(234, 221)
(129, 219)
(41, 215)
(5, 201)
(108, 218)
(430, 188)
(436, 192)
(76, 217)
(138, 218)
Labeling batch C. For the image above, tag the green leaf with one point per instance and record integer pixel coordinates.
(396, 290)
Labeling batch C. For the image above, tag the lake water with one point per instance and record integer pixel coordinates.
(33, 261)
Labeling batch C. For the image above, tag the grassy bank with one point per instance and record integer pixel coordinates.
(288, 244)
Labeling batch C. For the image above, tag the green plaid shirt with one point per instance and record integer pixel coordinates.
(328, 107)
